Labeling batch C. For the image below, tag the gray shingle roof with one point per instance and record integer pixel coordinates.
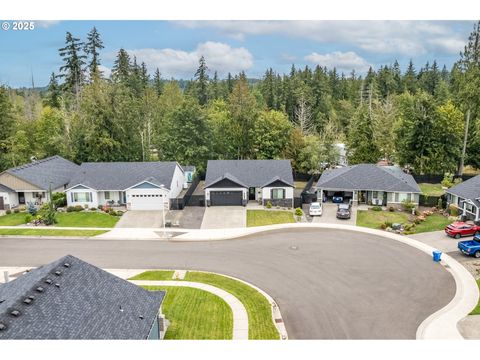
(89, 303)
(368, 177)
(252, 173)
(122, 175)
(54, 170)
(6, 189)
(469, 189)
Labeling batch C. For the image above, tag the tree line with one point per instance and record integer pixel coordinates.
(426, 119)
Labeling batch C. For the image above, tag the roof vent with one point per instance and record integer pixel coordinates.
(15, 313)
(48, 281)
(2, 300)
(67, 265)
(141, 317)
(57, 285)
(58, 273)
(27, 301)
(31, 297)
(39, 289)
(2, 326)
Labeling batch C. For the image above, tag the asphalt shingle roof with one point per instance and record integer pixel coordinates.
(468, 189)
(54, 170)
(122, 175)
(89, 303)
(251, 173)
(368, 177)
(6, 189)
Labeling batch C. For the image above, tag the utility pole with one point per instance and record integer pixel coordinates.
(465, 137)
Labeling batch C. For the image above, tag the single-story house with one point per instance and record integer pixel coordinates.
(369, 184)
(31, 182)
(136, 185)
(235, 182)
(466, 197)
(71, 299)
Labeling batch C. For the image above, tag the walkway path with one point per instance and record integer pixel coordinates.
(240, 317)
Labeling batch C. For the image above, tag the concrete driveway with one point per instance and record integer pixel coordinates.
(222, 217)
(333, 284)
(329, 215)
(141, 219)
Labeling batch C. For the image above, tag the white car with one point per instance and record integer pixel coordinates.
(315, 209)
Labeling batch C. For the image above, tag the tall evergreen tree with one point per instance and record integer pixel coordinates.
(74, 61)
(201, 78)
(121, 67)
(92, 46)
(410, 78)
(157, 82)
(52, 97)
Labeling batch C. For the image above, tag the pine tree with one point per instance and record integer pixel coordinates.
(74, 61)
(229, 83)
(201, 78)
(157, 82)
(121, 68)
(410, 78)
(52, 98)
(144, 76)
(92, 46)
(216, 93)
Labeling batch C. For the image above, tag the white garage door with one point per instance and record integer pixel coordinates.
(146, 201)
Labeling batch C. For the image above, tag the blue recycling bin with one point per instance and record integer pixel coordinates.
(437, 255)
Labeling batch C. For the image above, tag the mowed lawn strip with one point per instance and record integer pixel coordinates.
(154, 275)
(195, 314)
(86, 219)
(476, 311)
(431, 189)
(13, 219)
(260, 323)
(51, 232)
(268, 217)
(373, 219)
(433, 222)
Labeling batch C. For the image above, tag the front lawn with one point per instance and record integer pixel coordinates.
(268, 217)
(86, 219)
(13, 219)
(476, 311)
(195, 314)
(300, 184)
(154, 275)
(374, 219)
(431, 189)
(433, 222)
(51, 232)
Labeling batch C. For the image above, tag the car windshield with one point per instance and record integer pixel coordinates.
(343, 207)
(315, 206)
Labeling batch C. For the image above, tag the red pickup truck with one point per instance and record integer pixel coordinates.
(459, 229)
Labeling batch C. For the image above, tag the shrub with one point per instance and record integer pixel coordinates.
(119, 213)
(376, 208)
(93, 209)
(269, 205)
(447, 180)
(59, 199)
(383, 226)
(391, 209)
(100, 207)
(16, 211)
(28, 218)
(408, 205)
(70, 208)
(440, 203)
(409, 227)
(298, 212)
(112, 212)
(32, 209)
(453, 210)
(8, 212)
(78, 208)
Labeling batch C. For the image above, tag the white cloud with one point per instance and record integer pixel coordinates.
(343, 61)
(46, 23)
(106, 71)
(404, 37)
(179, 63)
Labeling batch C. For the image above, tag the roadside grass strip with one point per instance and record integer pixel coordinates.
(476, 311)
(51, 232)
(195, 314)
(154, 275)
(268, 217)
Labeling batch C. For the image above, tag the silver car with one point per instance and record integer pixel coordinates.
(315, 209)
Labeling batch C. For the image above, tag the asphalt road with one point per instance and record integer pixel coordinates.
(329, 284)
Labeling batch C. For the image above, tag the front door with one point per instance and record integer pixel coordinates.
(251, 193)
(21, 198)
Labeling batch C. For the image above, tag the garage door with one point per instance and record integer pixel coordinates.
(146, 202)
(226, 198)
(2, 206)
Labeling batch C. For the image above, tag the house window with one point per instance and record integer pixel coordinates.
(278, 193)
(107, 195)
(375, 195)
(82, 196)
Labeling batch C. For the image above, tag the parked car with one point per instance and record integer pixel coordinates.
(343, 211)
(337, 198)
(459, 229)
(315, 209)
(470, 247)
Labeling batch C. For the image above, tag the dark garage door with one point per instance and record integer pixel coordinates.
(223, 198)
(1, 203)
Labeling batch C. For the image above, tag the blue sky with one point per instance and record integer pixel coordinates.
(232, 46)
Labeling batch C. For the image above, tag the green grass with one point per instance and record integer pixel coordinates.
(195, 314)
(86, 219)
(154, 275)
(260, 323)
(476, 311)
(13, 219)
(431, 189)
(373, 219)
(433, 222)
(268, 217)
(300, 184)
(51, 232)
